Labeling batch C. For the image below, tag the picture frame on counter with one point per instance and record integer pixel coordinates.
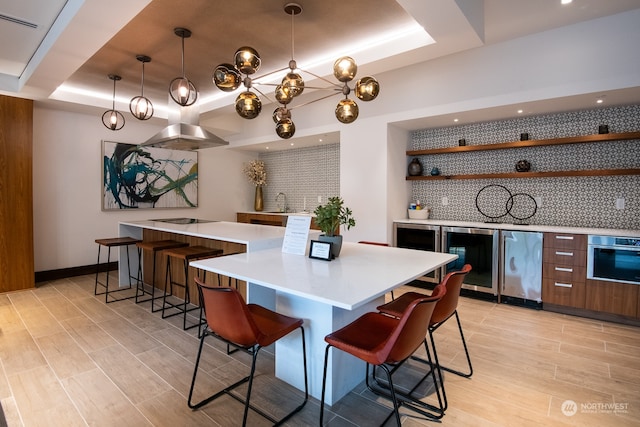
(320, 250)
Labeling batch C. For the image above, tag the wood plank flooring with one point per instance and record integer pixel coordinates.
(67, 359)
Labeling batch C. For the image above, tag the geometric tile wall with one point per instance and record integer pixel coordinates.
(302, 174)
(569, 201)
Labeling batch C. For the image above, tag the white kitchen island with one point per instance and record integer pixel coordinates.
(327, 295)
(245, 237)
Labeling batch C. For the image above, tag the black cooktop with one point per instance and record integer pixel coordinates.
(183, 220)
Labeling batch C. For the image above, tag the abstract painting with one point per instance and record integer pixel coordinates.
(135, 177)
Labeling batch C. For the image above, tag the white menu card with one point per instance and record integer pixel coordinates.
(296, 235)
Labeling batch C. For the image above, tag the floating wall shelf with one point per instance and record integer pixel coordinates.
(530, 143)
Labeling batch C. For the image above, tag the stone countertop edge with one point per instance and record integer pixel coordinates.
(520, 227)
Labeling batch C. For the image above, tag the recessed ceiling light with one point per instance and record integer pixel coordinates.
(520, 111)
(291, 144)
(600, 100)
(455, 120)
(266, 148)
(565, 1)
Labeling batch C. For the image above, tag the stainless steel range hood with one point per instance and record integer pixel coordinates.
(183, 132)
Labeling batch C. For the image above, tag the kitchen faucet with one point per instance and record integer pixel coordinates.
(284, 206)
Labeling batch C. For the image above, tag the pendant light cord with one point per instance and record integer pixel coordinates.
(292, 35)
(183, 74)
(113, 98)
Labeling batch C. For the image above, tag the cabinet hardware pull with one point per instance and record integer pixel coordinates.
(568, 270)
(564, 253)
(564, 237)
(564, 285)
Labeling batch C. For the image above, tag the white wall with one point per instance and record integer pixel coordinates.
(593, 56)
(67, 182)
(589, 57)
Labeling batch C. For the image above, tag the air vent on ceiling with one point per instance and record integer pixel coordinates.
(18, 21)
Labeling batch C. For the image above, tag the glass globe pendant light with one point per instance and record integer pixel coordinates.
(247, 62)
(228, 77)
(112, 119)
(248, 105)
(181, 89)
(367, 89)
(141, 107)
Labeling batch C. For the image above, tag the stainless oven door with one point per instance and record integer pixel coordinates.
(615, 259)
(478, 247)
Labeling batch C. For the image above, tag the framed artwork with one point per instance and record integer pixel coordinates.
(135, 177)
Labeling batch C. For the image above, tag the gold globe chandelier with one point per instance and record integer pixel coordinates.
(228, 77)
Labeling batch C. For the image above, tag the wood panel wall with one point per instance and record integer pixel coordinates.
(16, 194)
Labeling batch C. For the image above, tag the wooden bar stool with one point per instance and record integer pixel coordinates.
(109, 243)
(186, 254)
(155, 247)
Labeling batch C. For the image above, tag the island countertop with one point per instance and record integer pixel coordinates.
(254, 236)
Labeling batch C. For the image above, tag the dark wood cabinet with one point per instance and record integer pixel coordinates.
(610, 297)
(262, 219)
(279, 220)
(564, 261)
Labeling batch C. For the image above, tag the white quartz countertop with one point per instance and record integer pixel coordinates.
(254, 236)
(542, 228)
(360, 274)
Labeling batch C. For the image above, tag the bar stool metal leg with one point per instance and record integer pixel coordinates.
(185, 254)
(155, 247)
(109, 243)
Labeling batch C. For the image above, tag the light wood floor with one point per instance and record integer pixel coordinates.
(67, 359)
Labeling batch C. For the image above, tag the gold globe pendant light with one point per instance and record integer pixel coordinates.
(292, 84)
(247, 61)
(248, 105)
(367, 89)
(228, 78)
(181, 89)
(112, 119)
(141, 107)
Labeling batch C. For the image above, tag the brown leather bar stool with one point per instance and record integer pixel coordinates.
(155, 247)
(110, 243)
(249, 327)
(186, 254)
(387, 342)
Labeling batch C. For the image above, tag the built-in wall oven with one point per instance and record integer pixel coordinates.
(478, 247)
(616, 259)
(422, 237)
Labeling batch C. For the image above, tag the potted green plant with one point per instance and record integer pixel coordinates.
(329, 218)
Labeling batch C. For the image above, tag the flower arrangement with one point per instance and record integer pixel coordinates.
(256, 172)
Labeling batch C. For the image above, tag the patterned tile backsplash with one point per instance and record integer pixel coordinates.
(570, 201)
(303, 175)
